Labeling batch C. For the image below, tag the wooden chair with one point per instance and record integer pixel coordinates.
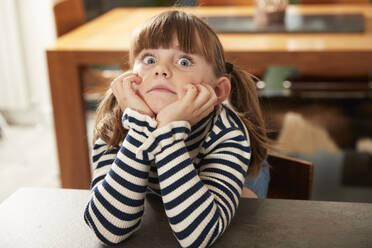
(290, 178)
(68, 15)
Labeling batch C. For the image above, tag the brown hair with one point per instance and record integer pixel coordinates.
(190, 31)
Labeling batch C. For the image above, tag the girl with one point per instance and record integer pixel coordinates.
(163, 127)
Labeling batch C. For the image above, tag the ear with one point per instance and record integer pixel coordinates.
(222, 89)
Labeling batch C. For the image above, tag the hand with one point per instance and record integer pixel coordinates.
(123, 88)
(248, 193)
(198, 101)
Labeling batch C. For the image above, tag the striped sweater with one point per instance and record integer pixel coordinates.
(198, 172)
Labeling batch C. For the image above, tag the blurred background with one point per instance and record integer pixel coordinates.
(327, 124)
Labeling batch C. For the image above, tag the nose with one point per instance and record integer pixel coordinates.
(163, 71)
(164, 74)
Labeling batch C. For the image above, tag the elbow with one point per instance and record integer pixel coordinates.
(112, 243)
(107, 233)
(105, 241)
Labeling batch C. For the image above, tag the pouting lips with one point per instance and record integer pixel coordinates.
(161, 88)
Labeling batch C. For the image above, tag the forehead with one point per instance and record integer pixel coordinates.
(170, 29)
(192, 45)
(175, 44)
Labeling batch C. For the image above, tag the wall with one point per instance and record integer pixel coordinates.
(33, 25)
(14, 92)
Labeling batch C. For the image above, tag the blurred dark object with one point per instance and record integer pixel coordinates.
(292, 23)
(311, 83)
(342, 106)
(346, 120)
(290, 178)
(286, 81)
(357, 169)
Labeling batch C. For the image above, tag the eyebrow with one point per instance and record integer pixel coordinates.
(196, 56)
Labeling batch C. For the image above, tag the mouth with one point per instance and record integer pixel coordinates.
(161, 88)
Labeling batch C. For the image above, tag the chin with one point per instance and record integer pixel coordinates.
(156, 108)
(157, 103)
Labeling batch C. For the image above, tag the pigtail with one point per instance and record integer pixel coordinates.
(108, 122)
(244, 100)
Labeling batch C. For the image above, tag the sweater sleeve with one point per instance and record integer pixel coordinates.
(199, 206)
(119, 183)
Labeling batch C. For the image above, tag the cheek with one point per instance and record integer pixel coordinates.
(203, 75)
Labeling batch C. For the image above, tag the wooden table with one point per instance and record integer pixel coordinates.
(38, 218)
(106, 39)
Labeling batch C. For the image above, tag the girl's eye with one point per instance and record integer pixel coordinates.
(148, 59)
(185, 61)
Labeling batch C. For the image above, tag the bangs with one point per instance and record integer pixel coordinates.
(193, 35)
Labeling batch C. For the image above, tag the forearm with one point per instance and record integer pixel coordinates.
(191, 209)
(198, 207)
(116, 206)
(118, 191)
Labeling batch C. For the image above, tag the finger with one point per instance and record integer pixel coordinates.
(201, 115)
(121, 76)
(191, 93)
(135, 84)
(130, 83)
(206, 111)
(134, 79)
(129, 86)
(209, 88)
(203, 95)
(211, 100)
(125, 94)
(134, 101)
(125, 78)
(212, 95)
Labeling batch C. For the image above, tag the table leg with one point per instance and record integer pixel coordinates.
(69, 120)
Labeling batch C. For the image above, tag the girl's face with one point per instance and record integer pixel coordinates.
(165, 72)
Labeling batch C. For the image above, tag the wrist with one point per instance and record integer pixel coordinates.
(162, 124)
(165, 122)
(165, 136)
(132, 119)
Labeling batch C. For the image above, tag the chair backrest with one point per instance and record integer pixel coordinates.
(68, 15)
(290, 178)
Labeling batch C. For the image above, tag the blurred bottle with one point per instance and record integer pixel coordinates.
(270, 12)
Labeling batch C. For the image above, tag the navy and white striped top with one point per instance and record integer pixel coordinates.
(198, 172)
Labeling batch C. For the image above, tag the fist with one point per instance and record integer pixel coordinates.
(197, 102)
(124, 89)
